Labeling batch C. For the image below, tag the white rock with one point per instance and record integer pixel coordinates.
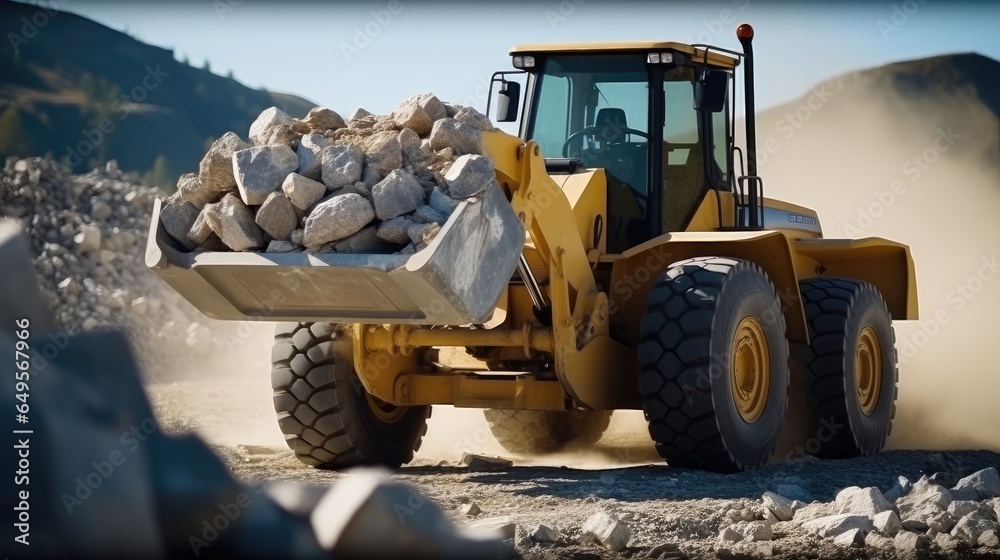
(301, 191)
(850, 538)
(88, 241)
(833, 525)
(757, 531)
(383, 152)
(961, 508)
(986, 483)
(607, 530)
(989, 539)
(862, 501)
(470, 509)
(944, 541)
(924, 498)
(342, 165)
(473, 118)
(970, 528)
(544, 535)
(729, 533)
(359, 113)
(189, 188)
(273, 126)
(261, 170)
(778, 505)
(899, 489)
(908, 541)
(335, 218)
(887, 523)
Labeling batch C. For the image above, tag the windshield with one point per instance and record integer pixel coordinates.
(595, 108)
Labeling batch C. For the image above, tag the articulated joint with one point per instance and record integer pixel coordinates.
(403, 339)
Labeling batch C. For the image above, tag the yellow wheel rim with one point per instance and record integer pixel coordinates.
(868, 370)
(750, 369)
(384, 411)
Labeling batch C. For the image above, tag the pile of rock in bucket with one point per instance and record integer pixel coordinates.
(368, 184)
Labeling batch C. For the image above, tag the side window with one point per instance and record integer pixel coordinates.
(552, 118)
(680, 120)
(719, 136)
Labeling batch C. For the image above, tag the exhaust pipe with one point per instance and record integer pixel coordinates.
(745, 34)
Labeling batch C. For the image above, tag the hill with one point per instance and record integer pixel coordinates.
(84, 93)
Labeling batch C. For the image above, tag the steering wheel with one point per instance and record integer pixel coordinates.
(592, 130)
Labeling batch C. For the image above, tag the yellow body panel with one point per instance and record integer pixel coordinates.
(586, 359)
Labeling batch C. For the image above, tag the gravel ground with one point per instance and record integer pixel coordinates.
(621, 475)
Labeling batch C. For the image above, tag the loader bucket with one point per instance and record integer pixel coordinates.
(456, 280)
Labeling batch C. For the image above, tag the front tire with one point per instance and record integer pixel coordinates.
(328, 418)
(850, 366)
(713, 365)
(529, 432)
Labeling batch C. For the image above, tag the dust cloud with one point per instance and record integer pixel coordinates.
(925, 173)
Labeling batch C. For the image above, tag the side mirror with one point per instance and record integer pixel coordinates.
(710, 90)
(508, 98)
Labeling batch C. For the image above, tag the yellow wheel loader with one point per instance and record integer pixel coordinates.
(625, 258)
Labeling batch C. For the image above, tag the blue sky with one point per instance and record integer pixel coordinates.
(374, 54)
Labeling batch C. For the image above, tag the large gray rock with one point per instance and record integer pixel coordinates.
(461, 137)
(410, 114)
(364, 242)
(410, 145)
(234, 223)
(862, 501)
(216, 169)
(833, 525)
(961, 508)
(200, 230)
(383, 152)
(177, 217)
(322, 118)
(433, 106)
(359, 114)
(607, 530)
(442, 202)
(543, 534)
(189, 188)
(986, 484)
(335, 218)
(301, 191)
(310, 152)
(486, 463)
(473, 118)
(273, 126)
(422, 234)
(469, 175)
(260, 171)
(277, 246)
(899, 489)
(399, 193)
(989, 539)
(427, 214)
(277, 217)
(342, 165)
(395, 230)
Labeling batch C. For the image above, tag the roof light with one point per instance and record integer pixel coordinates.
(659, 58)
(744, 31)
(524, 62)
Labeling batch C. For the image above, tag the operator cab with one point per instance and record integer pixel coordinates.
(630, 108)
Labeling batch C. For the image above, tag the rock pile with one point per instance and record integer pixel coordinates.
(88, 234)
(368, 184)
(923, 515)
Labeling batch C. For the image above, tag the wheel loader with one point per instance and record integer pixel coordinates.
(625, 258)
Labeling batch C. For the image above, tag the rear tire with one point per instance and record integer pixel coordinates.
(529, 432)
(328, 418)
(850, 367)
(713, 365)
